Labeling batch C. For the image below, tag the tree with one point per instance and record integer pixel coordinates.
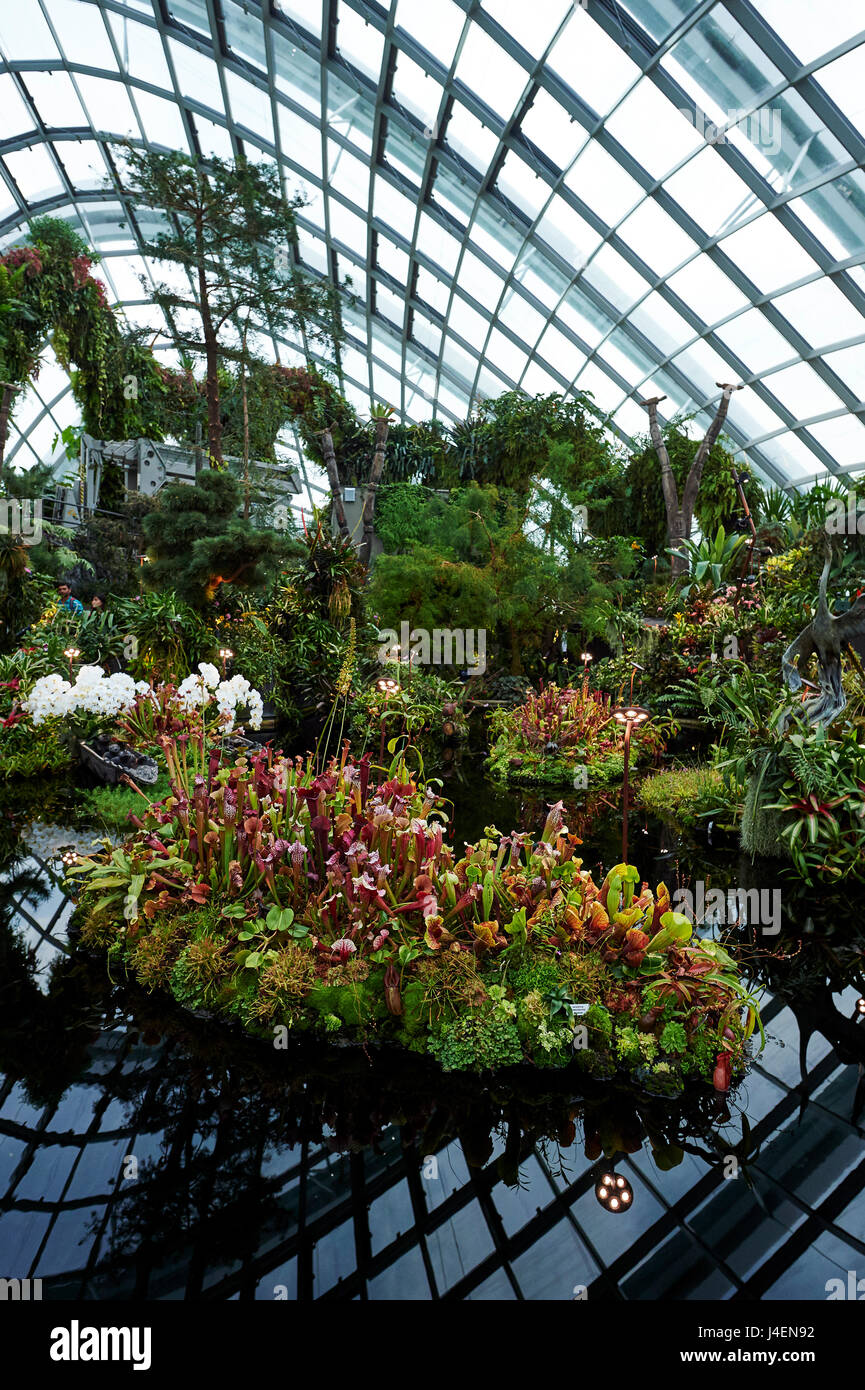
(680, 515)
(197, 542)
(231, 231)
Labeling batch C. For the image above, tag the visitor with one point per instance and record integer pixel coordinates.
(67, 602)
(97, 604)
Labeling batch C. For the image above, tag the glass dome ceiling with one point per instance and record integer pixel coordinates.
(627, 197)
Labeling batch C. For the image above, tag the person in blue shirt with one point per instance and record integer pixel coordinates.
(67, 602)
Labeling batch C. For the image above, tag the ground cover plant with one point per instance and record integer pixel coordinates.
(292, 900)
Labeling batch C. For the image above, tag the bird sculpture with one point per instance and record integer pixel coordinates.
(825, 637)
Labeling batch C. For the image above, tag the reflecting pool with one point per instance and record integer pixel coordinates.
(147, 1153)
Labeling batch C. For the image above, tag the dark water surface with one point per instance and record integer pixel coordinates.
(148, 1154)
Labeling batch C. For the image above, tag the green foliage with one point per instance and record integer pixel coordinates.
(477, 1042)
(689, 795)
(717, 558)
(197, 542)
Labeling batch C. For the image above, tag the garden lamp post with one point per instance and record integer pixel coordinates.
(72, 654)
(632, 716)
(386, 686)
(225, 655)
(586, 658)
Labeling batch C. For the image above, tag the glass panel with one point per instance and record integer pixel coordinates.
(821, 313)
(559, 136)
(34, 171)
(720, 66)
(436, 27)
(300, 140)
(656, 238)
(417, 92)
(767, 253)
(658, 17)
(348, 175)
(711, 193)
(652, 131)
(82, 35)
(479, 281)
(437, 244)
(753, 338)
(568, 233)
(617, 281)
(307, 16)
(522, 185)
(794, 21)
(844, 79)
(487, 71)
(802, 391)
(24, 32)
(836, 214)
(17, 116)
(602, 185)
(706, 290)
(849, 365)
(531, 26)
(661, 325)
(359, 43)
(516, 313)
(592, 64)
(83, 162)
(192, 13)
(162, 121)
(406, 153)
(563, 355)
(296, 75)
(250, 105)
(245, 34)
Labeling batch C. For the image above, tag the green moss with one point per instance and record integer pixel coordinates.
(476, 1042)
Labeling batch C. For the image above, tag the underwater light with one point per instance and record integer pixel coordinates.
(614, 1192)
(860, 1006)
(69, 857)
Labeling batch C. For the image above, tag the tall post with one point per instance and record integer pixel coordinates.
(626, 791)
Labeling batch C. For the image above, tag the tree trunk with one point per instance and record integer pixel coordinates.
(211, 356)
(382, 425)
(245, 400)
(676, 530)
(329, 456)
(5, 411)
(680, 516)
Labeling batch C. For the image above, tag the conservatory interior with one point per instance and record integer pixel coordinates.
(432, 650)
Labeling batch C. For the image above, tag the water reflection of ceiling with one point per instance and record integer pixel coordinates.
(369, 1224)
(629, 197)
